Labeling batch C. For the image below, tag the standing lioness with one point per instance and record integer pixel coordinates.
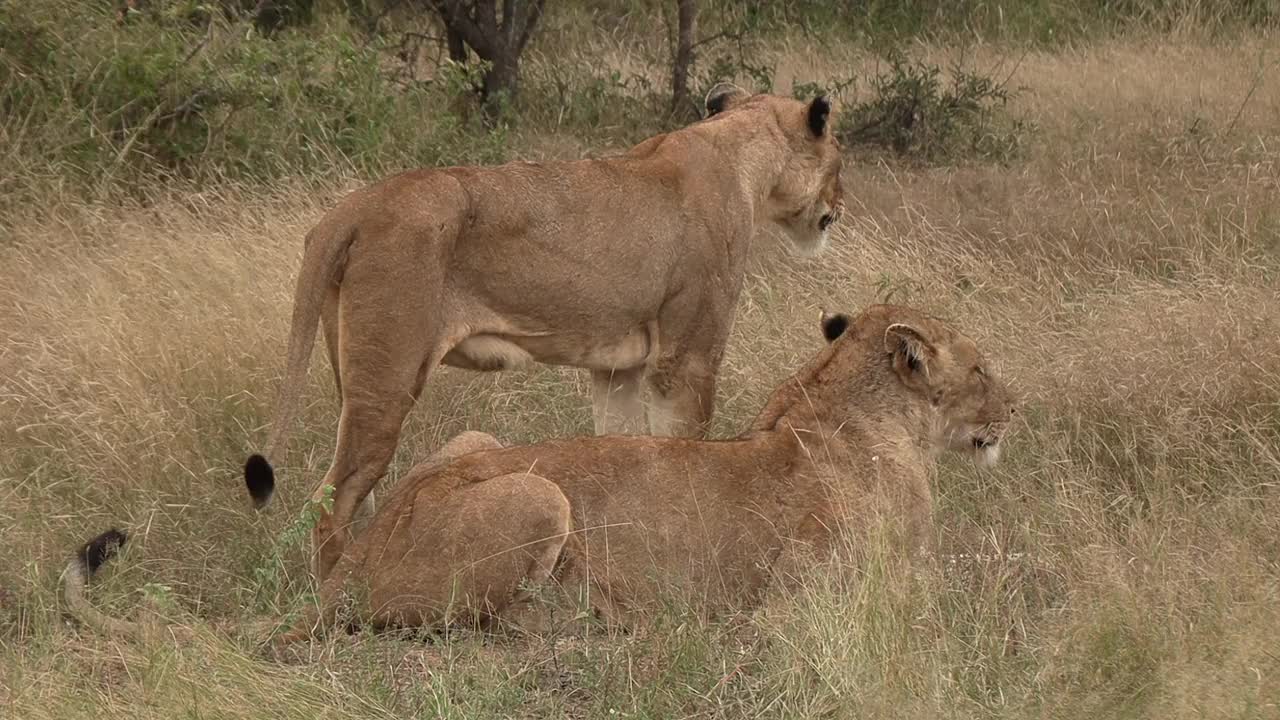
(629, 266)
(852, 435)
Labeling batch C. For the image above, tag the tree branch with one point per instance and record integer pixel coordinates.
(508, 27)
(535, 14)
(730, 34)
(386, 10)
(486, 16)
(688, 15)
(457, 21)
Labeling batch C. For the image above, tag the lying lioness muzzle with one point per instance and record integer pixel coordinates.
(620, 520)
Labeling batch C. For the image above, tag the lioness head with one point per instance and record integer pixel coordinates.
(967, 406)
(808, 198)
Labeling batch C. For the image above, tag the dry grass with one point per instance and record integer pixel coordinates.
(1122, 562)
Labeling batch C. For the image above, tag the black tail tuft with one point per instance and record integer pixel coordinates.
(260, 480)
(101, 549)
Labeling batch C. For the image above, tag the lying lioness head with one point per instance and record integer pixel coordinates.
(618, 520)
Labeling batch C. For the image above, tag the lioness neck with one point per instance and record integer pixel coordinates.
(749, 146)
(861, 409)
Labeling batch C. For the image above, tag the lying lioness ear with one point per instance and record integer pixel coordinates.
(819, 111)
(912, 353)
(833, 324)
(723, 96)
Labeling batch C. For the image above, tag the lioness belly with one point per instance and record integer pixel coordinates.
(645, 565)
(492, 352)
(487, 353)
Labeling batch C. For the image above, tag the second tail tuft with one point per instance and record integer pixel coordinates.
(99, 550)
(260, 480)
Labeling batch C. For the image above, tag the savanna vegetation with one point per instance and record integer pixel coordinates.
(1090, 189)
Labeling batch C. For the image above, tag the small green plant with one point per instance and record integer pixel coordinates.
(159, 596)
(893, 289)
(917, 113)
(837, 88)
(270, 575)
(730, 65)
(577, 97)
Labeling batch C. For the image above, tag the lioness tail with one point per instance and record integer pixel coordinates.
(93, 555)
(325, 253)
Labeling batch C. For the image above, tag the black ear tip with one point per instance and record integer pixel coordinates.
(717, 103)
(101, 549)
(819, 111)
(720, 96)
(259, 480)
(833, 326)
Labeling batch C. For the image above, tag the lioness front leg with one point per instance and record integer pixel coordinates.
(692, 333)
(682, 401)
(683, 392)
(616, 404)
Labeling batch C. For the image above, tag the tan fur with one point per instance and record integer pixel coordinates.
(621, 519)
(629, 266)
(151, 625)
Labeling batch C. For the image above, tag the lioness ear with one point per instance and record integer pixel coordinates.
(722, 97)
(819, 111)
(833, 324)
(912, 353)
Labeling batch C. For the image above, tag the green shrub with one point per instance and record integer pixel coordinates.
(593, 103)
(97, 101)
(889, 22)
(915, 112)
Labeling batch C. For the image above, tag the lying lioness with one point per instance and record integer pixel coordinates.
(625, 518)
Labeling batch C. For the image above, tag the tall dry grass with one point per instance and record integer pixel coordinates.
(1122, 562)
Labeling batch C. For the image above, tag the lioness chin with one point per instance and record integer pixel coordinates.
(629, 266)
(854, 433)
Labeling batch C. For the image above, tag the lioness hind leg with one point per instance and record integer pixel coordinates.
(329, 325)
(368, 433)
(464, 558)
(469, 556)
(586, 591)
(393, 332)
(616, 404)
(463, 443)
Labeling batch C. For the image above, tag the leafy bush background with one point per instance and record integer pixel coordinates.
(200, 91)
